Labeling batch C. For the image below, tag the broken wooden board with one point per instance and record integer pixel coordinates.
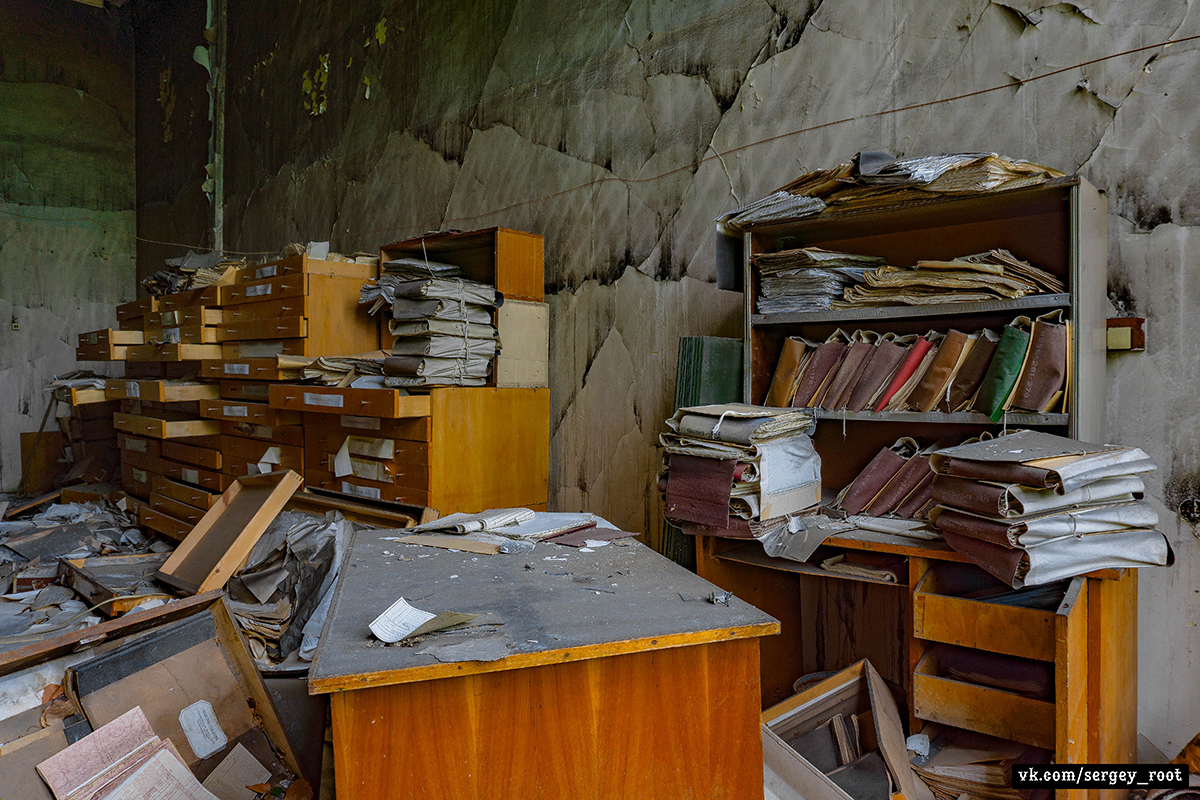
(224, 536)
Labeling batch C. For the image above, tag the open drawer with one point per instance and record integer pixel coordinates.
(944, 611)
(948, 687)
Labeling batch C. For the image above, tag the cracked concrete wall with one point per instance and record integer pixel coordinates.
(66, 197)
(374, 120)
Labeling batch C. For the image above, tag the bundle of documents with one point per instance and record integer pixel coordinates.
(994, 275)
(193, 271)
(963, 763)
(734, 463)
(416, 268)
(340, 371)
(1022, 368)
(1032, 508)
(875, 179)
(443, 329)
(897, 482)
(807, 279)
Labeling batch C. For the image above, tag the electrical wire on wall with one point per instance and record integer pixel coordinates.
(686, 167)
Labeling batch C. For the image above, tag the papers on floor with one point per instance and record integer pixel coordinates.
(402, 620)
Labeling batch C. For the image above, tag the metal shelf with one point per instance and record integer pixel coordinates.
(1032, 302)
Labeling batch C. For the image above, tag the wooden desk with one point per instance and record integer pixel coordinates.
(617, 678)
(830, 621)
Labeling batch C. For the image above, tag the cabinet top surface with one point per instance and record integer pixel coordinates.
(550, 605)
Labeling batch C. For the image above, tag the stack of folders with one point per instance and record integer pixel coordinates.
(1024, 367)
(807, 279)
(1032, 508)
(897, 482)
(738, 470)
(963, 763)
(444, 330)
(994, 275)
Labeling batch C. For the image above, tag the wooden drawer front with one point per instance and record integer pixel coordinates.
(102, 352)
(190, 333)
(137, 308)
(207, 457)
(271, 309)
(417, 429)
(414, 476)
(166, 525)
(247, 369)
(192, 315)
(940, 616)
(264, 328)
(253, 450)
(208, 296)
(254, 413)
(103, 410)
(263, 348)
(175, 509)
(269, 289)
(91, 430)
(383, 448)
(134, 445)
(188, 409)
(143, 462)
(254, 391)
(368, 490)
(159, 391)
(197, 476)
(181, 492)
(979, 708)
(280, 434)
(108, 336)
(157, 428)
(312, 266)
(173, 352)
(135, 480)
(359, 402)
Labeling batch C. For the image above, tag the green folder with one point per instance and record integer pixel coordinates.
(1002, 373)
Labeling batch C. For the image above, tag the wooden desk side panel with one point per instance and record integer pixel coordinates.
(1112, 675)
(673, 723)
(337, 325)
(490, 448)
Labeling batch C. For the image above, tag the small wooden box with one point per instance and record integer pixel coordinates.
(512, 261)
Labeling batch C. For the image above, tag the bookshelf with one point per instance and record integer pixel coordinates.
(829, 622)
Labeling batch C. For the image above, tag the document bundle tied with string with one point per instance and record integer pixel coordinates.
(443, 324)
(739, 470)
(1032, 508)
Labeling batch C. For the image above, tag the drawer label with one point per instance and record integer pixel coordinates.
(132, 389)
(92, 338)
(362, 423)
(258, 291)
(171, 335)
(329, 400)
(140, 476)
(191, 475)
(236, 411)
(237, 369)
(265, 272)
(361, 491)
(136, 445)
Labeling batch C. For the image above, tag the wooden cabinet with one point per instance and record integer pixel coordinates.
(828, 622)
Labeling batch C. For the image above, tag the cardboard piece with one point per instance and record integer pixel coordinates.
(858, 691)
(227, 532)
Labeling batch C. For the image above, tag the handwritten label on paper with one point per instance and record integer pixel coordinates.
(363, 423)
(237, 369)
(258, 291)
(236, 411)
(202, 729)
(330, 400)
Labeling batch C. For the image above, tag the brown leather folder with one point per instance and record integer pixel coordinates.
(884, 362)
(1045, 371)
(881, 469)
(970, 375)
(900, 486)
(787, 373)
(825, 359)
(932, 387)
(848, 373)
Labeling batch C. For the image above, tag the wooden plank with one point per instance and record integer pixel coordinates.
(494, 426)
(341, 327)
(159, 391)
(157, 428)
(183, 493)
(643, 612)
(244, 411)
(1071, 678)
(1112, 675)
(387, 403)
(221, 540)
(267, 328)
(41, 460)
(16, 507)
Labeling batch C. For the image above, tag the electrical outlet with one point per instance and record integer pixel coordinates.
(16, 326)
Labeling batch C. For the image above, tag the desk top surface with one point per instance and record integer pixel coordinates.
(550, 605)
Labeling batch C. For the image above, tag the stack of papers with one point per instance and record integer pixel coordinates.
(995, 275)
(807, 279)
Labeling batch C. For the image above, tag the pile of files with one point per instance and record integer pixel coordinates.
(876, 179)
(994, 275)
(359, 371)
(963, 763)
(739, 470)
(193, 271)
(898, 482)
(807, 279)
(443, 326)
(1032, 508)
(285, 578)
(1021, 368)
